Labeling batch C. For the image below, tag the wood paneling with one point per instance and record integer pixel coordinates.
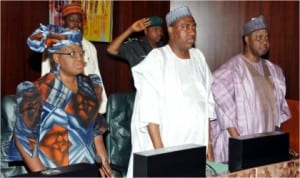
(220, 30)
(292, 125)
(219, 35)
(20, 18)
(116, 72)
(18, 62)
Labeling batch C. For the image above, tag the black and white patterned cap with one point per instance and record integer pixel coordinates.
(256, 23)
(177, 13)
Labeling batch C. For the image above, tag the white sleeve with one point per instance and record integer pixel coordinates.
(92, 67)
(46, 67)
(148, 83)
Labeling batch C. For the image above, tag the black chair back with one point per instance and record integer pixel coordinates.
(118, 139)
(8, 119)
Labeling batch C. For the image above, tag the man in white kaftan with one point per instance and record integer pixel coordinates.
(249, 92)
(72, 14)
(174, 93)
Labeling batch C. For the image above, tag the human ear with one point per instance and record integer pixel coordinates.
(56, 58)
(246, 39)
(170, 29)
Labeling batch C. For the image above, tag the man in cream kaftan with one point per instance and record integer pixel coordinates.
(176, 95)
(173, 101)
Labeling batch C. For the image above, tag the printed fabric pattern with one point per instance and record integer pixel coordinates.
(56, 124)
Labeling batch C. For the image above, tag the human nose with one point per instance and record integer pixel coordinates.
(160, 33)
(79, 58)
(192, 31)
(265, 41)
(77, 23)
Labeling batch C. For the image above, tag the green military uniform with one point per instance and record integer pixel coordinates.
(134, 51)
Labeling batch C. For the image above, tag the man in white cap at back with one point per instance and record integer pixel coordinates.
(249, 91)
(174, 103)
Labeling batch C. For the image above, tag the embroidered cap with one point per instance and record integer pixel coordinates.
(256, 23)
(177, 13)
(73, 8)
(53, 38)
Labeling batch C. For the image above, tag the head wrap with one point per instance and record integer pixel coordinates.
(177, 13)
(256, 23)
(155, 21)
(73, 8)
(53, 38)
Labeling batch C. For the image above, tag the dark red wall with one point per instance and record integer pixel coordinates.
(223, 22)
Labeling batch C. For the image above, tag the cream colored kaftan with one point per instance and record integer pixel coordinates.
(175, 94)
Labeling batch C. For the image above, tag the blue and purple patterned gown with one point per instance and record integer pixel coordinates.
(56, 124)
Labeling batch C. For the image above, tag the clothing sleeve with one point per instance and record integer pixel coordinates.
(204, 68)
(29, 107)
(209, 81)
(211, 105)
(46, 66)
(132, 51)
(223, 92)
(100, 126)
(91, 60)
(280, 84)
(92, 67)
(125, 50)
(96, 81)
(148, 84)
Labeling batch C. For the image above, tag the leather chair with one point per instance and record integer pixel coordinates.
(118, 139)
(8, 119)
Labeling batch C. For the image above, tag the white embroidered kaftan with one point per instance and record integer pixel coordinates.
(175, 94)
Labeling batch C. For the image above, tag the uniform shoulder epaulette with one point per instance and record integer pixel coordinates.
(131, 39)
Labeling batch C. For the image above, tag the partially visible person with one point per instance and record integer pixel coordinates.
(74, 19)
(174, 102)
(249, 91)
(135, 50)
(58, 123)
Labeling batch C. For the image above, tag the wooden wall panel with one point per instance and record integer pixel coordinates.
(18, 62)
(116, 72)
(219, 35)
(283, 20)
(20, 18)
(220, 30)
(292, 125)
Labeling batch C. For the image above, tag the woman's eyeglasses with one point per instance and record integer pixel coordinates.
(74, 54)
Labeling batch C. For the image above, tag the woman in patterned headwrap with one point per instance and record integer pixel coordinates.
(58, 123)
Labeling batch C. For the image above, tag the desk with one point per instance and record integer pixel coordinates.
(283, 169)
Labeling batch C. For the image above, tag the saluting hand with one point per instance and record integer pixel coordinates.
(141, 24)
